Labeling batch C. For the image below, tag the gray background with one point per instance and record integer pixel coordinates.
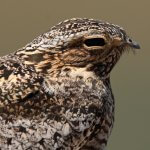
(21, 21)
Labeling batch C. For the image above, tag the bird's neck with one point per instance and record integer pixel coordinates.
(63, 63)
(104, 67)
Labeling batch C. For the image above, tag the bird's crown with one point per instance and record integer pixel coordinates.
(65, 32)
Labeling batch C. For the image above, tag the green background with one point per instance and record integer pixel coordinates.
(21, 21)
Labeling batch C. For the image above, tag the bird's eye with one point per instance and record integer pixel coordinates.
(94, 42)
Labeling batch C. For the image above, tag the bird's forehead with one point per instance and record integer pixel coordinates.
(82, 26)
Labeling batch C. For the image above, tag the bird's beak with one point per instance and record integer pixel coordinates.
(133, 44)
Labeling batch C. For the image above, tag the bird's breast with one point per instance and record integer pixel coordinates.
(81, 94)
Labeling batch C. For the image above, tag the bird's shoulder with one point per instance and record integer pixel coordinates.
(17, 80)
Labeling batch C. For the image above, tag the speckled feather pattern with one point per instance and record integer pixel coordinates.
(55, 92)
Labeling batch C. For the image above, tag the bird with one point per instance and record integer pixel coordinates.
(55, 92)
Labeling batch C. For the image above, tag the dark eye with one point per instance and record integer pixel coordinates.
(94, 42)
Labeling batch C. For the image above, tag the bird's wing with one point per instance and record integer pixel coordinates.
(17, 80)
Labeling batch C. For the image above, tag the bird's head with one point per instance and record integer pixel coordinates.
(77, 42)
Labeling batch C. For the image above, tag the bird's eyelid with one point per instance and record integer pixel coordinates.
(94, 36)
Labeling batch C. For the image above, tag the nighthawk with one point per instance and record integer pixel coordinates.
(55, 92)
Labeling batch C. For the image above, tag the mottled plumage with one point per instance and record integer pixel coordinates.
(55, 92)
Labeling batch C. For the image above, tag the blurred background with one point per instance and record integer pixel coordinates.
(22, 21)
